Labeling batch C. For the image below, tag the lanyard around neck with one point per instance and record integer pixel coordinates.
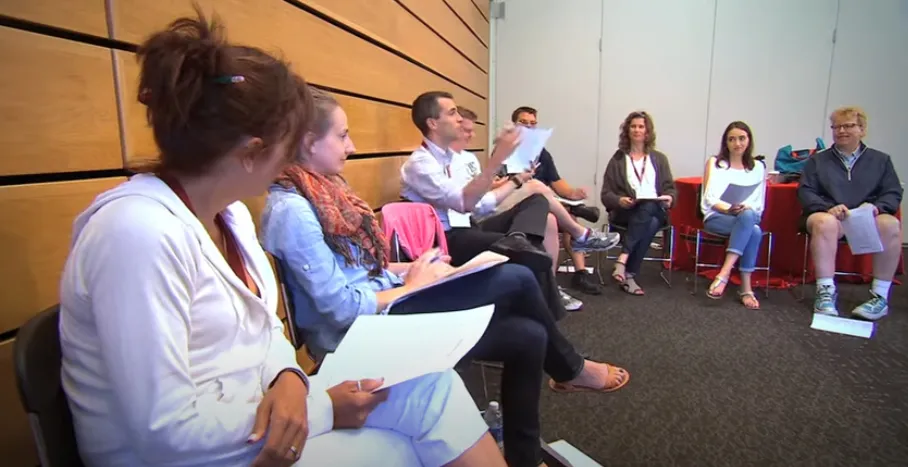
(233, 256)
(642, 171)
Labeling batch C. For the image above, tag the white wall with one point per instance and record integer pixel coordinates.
(697, 65)
(660, 65)
(547, 57)
(870, 69)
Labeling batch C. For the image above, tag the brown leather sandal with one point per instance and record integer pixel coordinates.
(566, 388)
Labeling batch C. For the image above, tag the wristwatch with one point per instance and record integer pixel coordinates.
(513, 178)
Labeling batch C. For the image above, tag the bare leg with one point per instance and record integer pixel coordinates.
(825, 231)
(577, 257)
(484, 453)
(886, 262)
(550, 242)
(718, 286)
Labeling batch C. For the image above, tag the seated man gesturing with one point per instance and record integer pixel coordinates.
(843, 177)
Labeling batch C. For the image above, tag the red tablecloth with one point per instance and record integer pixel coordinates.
(781, 217)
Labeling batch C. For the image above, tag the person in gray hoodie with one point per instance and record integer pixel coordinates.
(836, 181)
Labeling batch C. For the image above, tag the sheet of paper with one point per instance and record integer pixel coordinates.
(736, 194)
(532, 140)
(569, 202)
(574, 456)
(850, 327)
(861, 231)
(399, 348)
(458, 219)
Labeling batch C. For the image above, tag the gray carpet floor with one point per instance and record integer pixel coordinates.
(714, 384)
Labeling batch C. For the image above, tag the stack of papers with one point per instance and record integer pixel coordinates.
(399, 348)
(861, 232)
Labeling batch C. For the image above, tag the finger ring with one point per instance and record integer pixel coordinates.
(359, 385)
(294, 451)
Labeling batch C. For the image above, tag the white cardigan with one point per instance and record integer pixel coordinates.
(166, 352)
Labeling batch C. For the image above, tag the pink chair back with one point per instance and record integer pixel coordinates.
(416, 227)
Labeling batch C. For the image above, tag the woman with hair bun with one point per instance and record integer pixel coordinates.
(173, 353)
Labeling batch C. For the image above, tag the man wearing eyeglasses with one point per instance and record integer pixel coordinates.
(547, 174)
(844, 177)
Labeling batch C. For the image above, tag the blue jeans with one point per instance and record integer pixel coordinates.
(744, 235)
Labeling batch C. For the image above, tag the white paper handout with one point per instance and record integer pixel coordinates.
(480, 262)
(532, 140)
(850, 327)
(736, 194)
(458, 219)
(861, 231)
(399, 348)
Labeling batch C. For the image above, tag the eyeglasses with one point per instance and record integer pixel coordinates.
(844, 126)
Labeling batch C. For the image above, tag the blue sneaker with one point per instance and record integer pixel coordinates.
(824, 303)
(872, 309)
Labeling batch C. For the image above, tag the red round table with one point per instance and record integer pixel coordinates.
(781, 217)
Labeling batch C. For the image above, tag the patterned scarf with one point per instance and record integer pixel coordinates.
(345, 218)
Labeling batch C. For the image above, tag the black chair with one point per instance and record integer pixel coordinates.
(802, 232)
(38, 359)
(702, 236)
(296, 334)
(668, 236)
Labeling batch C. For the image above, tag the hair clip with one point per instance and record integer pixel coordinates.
(228, 79)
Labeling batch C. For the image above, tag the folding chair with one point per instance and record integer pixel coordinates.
(668, 235)
(38, 360)
(701, 236)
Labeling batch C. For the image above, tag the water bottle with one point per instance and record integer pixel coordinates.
(494, 421)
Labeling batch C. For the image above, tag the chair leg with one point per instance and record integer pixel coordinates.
(671, 254)
(697, 263)
(803, 286)
(768, 264)
(485, 384)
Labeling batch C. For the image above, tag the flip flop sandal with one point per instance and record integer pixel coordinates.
(717, 282)
(567, 388)
(630, 286)
(743, 296)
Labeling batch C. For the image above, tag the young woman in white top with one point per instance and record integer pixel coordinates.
(735, 165)
(173, 353)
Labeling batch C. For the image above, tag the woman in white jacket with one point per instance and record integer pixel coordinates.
(172, 350)
(735, 165)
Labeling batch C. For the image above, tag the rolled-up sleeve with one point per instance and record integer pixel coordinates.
(424, 175)
(293, 234)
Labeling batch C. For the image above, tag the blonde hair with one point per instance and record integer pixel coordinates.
(849, 112)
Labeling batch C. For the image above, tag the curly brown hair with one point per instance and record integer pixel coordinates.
(624, 138)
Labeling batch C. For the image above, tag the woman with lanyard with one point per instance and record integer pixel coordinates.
(172, 349)
(637, 190)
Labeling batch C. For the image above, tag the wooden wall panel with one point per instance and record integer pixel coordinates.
(483, 6)
(374, 126)
(469, 14)
(86, 16)
(439, 16)
(57, 101)
(375, 180)
(35, 229)
(16, 445)
(340, 60)
(388, 22)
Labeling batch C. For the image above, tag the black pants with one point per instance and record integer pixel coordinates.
(642, 221)
(522, 335)
(528, 217)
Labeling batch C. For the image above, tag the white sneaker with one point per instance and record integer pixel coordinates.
(570, 303)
